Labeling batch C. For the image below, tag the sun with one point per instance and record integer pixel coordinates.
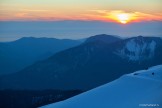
(123, 18)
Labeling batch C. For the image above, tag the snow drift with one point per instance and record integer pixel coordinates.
(138, 89)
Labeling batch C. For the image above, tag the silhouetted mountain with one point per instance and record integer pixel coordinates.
(88, 65)
(16, 55)
(103, 38)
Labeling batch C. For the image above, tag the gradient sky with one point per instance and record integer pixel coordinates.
(79, 18)
(79, 9)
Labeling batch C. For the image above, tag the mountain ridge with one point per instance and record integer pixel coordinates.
(23, 52)
(82, 67)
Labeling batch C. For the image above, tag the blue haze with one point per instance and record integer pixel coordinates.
(75, 29)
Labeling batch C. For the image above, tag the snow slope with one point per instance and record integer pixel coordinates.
(136, 51)
(139, 89)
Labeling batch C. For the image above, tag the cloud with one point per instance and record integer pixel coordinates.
(134, 16)
(34, 10)
(96, 14)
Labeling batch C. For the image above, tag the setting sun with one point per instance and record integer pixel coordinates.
(123, 18)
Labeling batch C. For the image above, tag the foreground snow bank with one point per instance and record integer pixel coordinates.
(139, 89)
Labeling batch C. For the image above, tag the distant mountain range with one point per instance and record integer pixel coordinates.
(16, 55)
(100, 59)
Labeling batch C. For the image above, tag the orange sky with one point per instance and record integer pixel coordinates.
(103, 10)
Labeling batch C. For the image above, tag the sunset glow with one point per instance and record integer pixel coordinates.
(123, 18)
(111, 11)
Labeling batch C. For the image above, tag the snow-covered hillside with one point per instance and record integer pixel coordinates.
(139, 89)
(137, 49)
